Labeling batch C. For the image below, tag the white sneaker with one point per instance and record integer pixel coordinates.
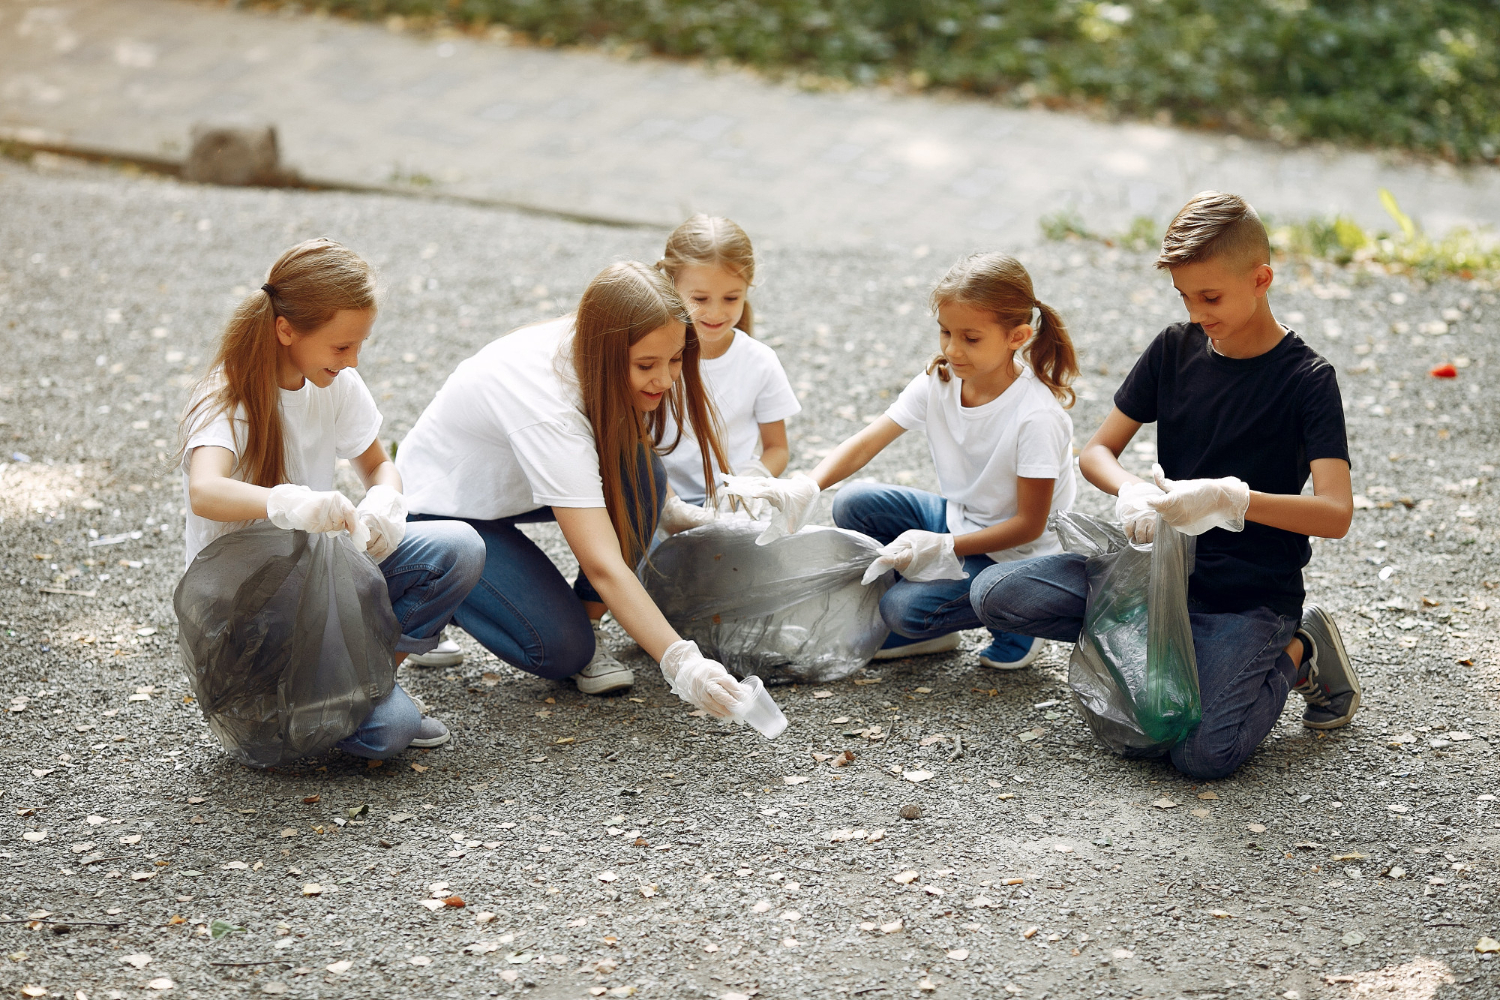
(604, 673)
(942, 644)
(444, 654)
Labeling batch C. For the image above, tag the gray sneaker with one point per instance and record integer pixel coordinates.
(1326, 680)
(431, 734)
(603, 673)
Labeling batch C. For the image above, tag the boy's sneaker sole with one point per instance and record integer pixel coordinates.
(1037, 646)
(927, 647)
(1332, 687)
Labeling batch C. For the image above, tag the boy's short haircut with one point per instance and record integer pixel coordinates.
(1215, 224)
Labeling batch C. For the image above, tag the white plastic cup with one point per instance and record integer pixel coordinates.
(758, 711)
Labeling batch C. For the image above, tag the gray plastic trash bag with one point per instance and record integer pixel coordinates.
(1133, 674)
(793, 610)
(288, 639)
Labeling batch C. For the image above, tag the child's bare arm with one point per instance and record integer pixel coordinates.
(1100, 459)
(855, 452)
(1326, 513)
(1033, 504)
(774, 453)
(375, 469)
(215, 495)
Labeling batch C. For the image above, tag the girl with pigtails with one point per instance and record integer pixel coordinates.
(561, 422)
(280, 405)
(992, 404)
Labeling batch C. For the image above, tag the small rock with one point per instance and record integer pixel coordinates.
(239, 157)
(911, 811)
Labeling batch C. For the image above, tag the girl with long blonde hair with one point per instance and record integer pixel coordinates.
(992, 404)
(282, 402)
(561, 421)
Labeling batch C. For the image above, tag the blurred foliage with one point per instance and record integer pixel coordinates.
(1422, 74)
(1459, 252)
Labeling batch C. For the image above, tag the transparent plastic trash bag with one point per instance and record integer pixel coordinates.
(793, 610)
(288, 639)
(1133, 674)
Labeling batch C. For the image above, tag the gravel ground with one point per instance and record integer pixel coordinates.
(619, 846)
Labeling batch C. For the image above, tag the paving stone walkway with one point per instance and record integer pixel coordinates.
(648, 140)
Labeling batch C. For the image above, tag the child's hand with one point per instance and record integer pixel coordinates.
(1137, 517)
(918, 556)
(300, 509)
(793, 499)
(699, 681)
(383, 512)
(679, 515)
(1193, 506)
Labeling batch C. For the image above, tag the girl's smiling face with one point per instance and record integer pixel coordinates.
(655, 363)
(319, 356)
(976, 345)
(715, 299)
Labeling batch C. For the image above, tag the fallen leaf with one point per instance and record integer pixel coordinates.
(1255, 827)
(1353, 939)
(1201, 813)
(892, 927)
(518, 957)
(795, 779)
(138, 961)
(289, 832)
(219, 928)
(340, 967)
(606, 876)
(926, 985)
(307, 800)
(1220, 914)
(1207, 796)
(1122, 953)
(1164, 803)
(904, 878)
(142, 876)
(1487, 946)
(822, 694)
(41, 991)
(420, 960)
(916, 777)
(312, 889)
(431, 904)
(484, 917)
(35, 836)
(275, 988)
(419, 768)
(161, 984)
(761, 907)
(959, 954)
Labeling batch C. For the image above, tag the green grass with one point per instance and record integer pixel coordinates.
(1462, 253)
(1420, 74)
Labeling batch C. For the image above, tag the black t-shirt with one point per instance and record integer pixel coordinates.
(1262, 419)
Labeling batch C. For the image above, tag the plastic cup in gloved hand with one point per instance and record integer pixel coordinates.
(758, 711)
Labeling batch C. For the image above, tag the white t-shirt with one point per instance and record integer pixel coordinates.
(318, 427)
(506, 433)
(750, 388)
(980, 451)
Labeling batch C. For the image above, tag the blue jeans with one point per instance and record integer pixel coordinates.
(913, 611)
(428, 576)
(1244, 675)
(523, 610)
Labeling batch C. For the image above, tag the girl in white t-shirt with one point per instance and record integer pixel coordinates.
(280, 405)
(562, 421)
(712, 265)
(1001, 442)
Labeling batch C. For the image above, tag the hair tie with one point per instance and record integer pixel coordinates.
(268, 290)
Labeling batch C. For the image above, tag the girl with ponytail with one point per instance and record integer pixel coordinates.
(562, 421)
(280, 405)
(993, 405)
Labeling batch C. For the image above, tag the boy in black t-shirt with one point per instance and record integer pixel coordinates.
(1245, 412)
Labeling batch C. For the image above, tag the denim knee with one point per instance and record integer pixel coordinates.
(992, 599)
(389, 729)
(562, 653)
(896, 610)
(852, 502)
(1204, 763)
(468, 556)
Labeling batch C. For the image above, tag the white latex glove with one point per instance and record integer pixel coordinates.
(299, 508)
(754, 467)
(1138, 519)
(699, 681)
(918, 556)
(1193, 506)
(793, 499)
(679, 515)
(383, 511)
(757, 509)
